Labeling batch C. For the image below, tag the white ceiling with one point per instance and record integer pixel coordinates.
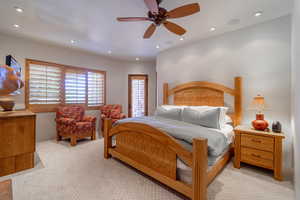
(92, 24)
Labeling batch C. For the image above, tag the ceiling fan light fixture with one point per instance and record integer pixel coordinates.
(159, 16)
(137, 59)
(181, 39)
(157, 46)
(16, 26)
(212, 29)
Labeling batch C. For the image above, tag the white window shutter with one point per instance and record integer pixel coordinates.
(75, 86)
(44, 84)
(96, 89)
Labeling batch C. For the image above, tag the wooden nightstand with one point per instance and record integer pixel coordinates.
(259, 148)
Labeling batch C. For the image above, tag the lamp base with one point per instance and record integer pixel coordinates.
(7, 105)
(260, 123)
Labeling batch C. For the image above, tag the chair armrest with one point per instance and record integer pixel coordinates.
(118, 116)
(89, 119)
(67, 121)
(122, 116)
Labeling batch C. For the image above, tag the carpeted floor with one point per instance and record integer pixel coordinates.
(81, 173)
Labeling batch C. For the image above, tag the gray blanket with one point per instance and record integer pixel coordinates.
(186, 132)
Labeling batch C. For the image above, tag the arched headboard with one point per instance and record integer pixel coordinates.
(201, 93)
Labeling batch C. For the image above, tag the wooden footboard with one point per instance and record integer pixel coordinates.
(155, 153)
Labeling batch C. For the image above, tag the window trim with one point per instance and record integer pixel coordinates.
(53, 107)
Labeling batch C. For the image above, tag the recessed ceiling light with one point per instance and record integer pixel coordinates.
(109, 52)
(72, 41)
(16, 26)
(137, 59)
(212, 29)
(181, 39)
(20, 10)
(258, 14)
(157, 46)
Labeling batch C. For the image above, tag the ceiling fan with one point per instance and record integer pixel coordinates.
(159, 16)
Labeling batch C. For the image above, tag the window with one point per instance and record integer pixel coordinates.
(75, 86)
(138, 95)
(96, 88)
(49, 85)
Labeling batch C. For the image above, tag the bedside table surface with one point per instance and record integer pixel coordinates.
(249, 129)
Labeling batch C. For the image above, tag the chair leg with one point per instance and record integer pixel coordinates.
(73, 141)
(58, 138)
(94, 135)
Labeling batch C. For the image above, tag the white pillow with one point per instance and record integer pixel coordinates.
(221, 113)
(208, 118)
(170, 112)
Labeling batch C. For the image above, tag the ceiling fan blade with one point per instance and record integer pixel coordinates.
(133, 19)
(152, 5)
(174, 28)
(184, 11)
(149, 32)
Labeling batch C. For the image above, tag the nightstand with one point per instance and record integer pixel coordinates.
(259, 148)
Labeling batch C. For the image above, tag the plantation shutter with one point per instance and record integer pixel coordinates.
(138, 96)
(44, 84)
(75, 86)
(96, 88)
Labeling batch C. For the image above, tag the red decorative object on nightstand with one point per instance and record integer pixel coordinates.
(260, 123)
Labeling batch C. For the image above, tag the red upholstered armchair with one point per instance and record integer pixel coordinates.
(72, 123)
(113, 111)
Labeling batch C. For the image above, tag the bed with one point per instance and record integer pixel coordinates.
(161, 156)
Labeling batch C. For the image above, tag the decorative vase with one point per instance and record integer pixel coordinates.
(7, 105)
(260, 123)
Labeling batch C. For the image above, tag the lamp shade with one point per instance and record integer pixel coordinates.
(258, 103)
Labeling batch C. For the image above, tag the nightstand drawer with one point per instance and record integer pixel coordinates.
(257, 142)
(257, 157)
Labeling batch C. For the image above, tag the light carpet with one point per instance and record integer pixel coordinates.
(81, 173)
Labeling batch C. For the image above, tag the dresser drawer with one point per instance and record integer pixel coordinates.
(257, 142)
(257, 157)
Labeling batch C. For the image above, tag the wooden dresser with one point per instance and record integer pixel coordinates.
(17, 141)
(259, 148)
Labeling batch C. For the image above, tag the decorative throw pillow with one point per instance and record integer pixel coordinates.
(208, 118)
(170, 112)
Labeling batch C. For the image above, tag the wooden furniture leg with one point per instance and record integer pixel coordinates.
(237, 151)
(200, 160)
(58, 138)
(94, 135)
(6, 190)
(107, 138)
(73, 141)
(278, 159)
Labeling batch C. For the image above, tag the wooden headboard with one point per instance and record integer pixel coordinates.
(201, 93)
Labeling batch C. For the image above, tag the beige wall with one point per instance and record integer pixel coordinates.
(117, 74)
(296, 93)
(260, 54)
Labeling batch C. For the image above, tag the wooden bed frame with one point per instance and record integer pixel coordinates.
(155, 153)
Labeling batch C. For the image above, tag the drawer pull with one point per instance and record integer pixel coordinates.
(255, 140)
(255, 155)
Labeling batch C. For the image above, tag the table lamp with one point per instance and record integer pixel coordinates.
(258, 104)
